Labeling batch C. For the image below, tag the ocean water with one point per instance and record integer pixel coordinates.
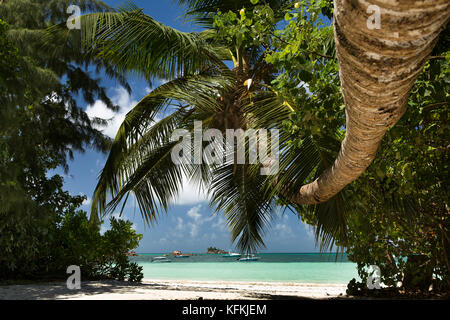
(282, 267)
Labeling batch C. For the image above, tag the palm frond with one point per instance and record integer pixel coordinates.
(299, 164)
(246, 207)
(139, 137)
(329, 218)
(134, 42)
(267, 109)
(202, 11)
(154, 182)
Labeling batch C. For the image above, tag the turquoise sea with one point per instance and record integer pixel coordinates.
(289, 267)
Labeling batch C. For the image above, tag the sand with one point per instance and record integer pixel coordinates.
(172, 290)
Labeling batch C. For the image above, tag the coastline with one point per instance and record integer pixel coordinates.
(155, 289)
(279, 267)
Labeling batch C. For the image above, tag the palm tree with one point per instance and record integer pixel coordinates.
(377, 69)
(202, 87)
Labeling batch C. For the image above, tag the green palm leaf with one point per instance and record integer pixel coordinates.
(247, 209)
(137, 138)
(202, 11)
(202, 88)
(134, 42)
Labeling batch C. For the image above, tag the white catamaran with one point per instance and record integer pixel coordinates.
(249, 257)
(231, 254)
(160, 259)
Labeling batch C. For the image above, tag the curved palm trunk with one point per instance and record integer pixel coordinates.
(378, 67)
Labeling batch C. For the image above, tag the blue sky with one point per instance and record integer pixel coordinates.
(189, 225)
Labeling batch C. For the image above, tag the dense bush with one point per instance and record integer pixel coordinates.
(42, 231)
(45, 250)
(99, 256)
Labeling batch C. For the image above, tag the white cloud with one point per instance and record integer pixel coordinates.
(283, 229)
(190, 194)
(194, 213)
(87, 202)
(279, 212)
(194, 229)
(309, 231)
(197, 220)
(103, 229)
(220, 224)
(163, 240)
(117, 216)
(190, 225)
(99, 110)
(180, 224)
(156, 84)
(211, 217)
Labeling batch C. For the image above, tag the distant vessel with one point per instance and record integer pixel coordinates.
(160, 259)
(232, 255)
(249, 257)
(179, 254)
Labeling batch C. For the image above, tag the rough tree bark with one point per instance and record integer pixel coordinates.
(378, 67)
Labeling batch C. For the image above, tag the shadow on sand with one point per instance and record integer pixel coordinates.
(59, 290)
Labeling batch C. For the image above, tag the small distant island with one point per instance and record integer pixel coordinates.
(178, 253)
(214, 250)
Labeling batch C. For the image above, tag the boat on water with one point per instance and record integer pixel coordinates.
(179, 254)
(160, 259)
(232, 255)
(249, 257)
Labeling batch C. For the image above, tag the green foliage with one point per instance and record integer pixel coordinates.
(204, 11)
(355, 288)
(54, 70)
(265, 48)
(115, 243)
(404, 210)
(41, 125)
(304, 49)
(44, 242)
(288, 52)
(399, 208)
(245, 29)
(134, 42)
(99, 256)
(9, 61)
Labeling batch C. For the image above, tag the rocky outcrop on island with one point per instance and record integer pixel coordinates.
(214, 250)
(131, 253)
(180, 254)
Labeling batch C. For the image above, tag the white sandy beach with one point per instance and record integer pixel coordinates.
(173, 290)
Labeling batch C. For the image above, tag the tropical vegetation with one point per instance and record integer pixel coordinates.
(284, 75)
(42, 231)
(335, 90)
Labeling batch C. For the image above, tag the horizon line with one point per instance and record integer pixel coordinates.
(258, 252)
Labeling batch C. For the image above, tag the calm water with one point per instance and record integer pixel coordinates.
(292, 267)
